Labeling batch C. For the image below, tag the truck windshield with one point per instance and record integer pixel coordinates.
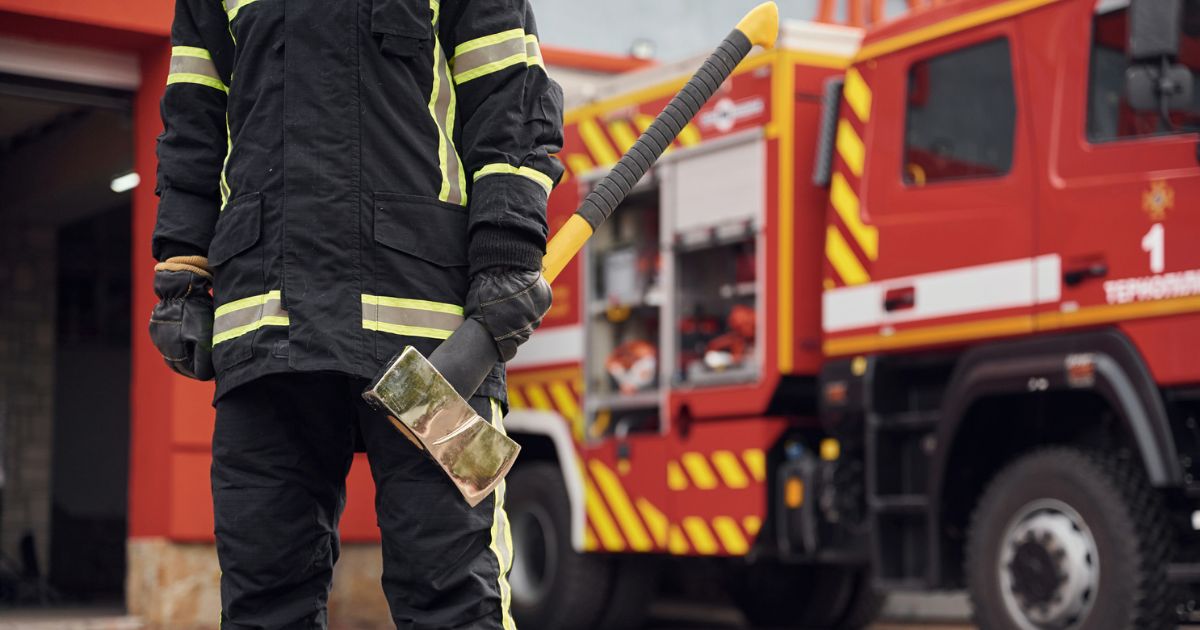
(1109, 115)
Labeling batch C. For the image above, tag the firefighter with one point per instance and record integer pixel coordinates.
(348, 178)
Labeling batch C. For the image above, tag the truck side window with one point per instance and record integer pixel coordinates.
(961, 115)
(1109, 116)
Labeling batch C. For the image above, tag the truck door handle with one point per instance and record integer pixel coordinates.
(899, 299)
(1076, 275)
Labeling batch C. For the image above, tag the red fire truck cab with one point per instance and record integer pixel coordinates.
(914, 308)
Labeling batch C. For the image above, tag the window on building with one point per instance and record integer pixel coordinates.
(961, 115)
(1109, 116)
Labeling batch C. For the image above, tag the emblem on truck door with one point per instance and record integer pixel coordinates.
(1159, 199)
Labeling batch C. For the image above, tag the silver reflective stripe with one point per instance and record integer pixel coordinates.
(476, 62)
(501, 536)
(533, 50)
(442, 107)
(414, 318)
(246, 315)
(233, 6)
(190, 64)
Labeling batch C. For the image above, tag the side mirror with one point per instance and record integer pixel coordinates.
(1153, 81)
(1159, 88)
(1154, 27)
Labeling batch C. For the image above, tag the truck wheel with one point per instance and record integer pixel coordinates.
(810, 597)
(553, 586)
(634, 585)
(1069, 539)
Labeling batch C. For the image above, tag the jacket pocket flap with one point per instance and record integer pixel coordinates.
(238, 228)
(402, 18)
(426, 228)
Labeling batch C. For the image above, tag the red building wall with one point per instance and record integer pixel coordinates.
(169, 492)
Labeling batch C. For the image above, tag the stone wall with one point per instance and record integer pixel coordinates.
(27, 336)
(177, 586)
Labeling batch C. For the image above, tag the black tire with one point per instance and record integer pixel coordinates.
(570, 587)
(634, 585)
(809, 597)
(1128, 529)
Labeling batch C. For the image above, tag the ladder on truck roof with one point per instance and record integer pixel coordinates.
(862, 13)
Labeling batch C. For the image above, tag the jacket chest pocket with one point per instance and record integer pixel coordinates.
(403, 28)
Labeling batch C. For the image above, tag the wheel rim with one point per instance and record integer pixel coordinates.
(1049, 567)
(535, 555)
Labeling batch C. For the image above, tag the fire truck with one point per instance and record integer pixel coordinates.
(912, 307)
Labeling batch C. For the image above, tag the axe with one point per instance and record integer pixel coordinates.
(425, 399)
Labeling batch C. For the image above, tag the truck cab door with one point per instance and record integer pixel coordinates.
(1120, 200)
(947, 183)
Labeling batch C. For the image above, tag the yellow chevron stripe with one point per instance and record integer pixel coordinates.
(589, 539)
(698, 469)
(847, 265)
(596, 143)
(857, 94)
(579, 163)
(655, 520)
(622, 134)
(689, 136)
(515, 399)
(850, 147)
(842, 196)
(752, 524)
(676, 480)
(676, 542)
(730, 470)
(606, 527)
(565, 401)
(700, 535)
(731, 535)
(756, 463)
(643, 121)
(621, 506)
(537, 397)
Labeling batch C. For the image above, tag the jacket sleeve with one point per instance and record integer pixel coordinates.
(192, 147)
(510, 117)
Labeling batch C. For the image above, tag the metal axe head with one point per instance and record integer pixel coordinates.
(425, 407)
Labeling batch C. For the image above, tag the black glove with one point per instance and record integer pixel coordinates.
(181, 325)
(510, 303)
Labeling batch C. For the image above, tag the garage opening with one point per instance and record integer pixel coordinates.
(65, 325)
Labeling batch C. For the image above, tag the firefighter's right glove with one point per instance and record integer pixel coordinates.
(181, 325)
(510, 303)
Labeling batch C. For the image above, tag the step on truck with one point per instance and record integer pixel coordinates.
(915, 307)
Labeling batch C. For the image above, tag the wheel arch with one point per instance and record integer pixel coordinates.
(1025, 382)
(546, 436)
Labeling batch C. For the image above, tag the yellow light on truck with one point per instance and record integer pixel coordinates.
(831, 449)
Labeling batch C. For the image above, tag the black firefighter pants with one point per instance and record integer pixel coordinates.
(281, 451)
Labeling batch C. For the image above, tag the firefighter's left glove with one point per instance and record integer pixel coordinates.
(510, 303)
(181, 325)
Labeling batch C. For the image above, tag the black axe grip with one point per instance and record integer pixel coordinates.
(612, 189)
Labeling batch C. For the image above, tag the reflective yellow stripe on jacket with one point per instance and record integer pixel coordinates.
(406, 316)
(246, 315)
(194, 65)
(491, 53)
(442, 107)
(537, 176)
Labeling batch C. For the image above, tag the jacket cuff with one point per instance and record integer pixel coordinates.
(507, 223)
(185, 225)
(509, 249)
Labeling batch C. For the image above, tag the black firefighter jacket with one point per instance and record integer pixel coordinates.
(335, 157)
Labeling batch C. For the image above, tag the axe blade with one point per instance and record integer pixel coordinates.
(425, 408)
